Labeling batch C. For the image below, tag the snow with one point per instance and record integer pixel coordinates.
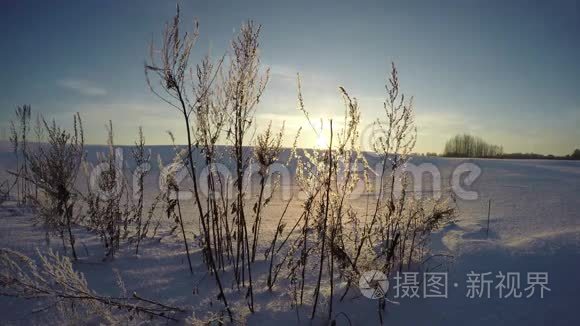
(534, 227)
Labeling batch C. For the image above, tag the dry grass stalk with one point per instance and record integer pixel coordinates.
(19, 131)
(142, 157)
(56, 282)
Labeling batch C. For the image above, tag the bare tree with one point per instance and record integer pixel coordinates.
(470, 146)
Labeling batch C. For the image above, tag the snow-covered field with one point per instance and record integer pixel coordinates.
(534, 228)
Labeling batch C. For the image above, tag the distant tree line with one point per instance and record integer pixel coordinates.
(574, 156)
(466, 145)
(470, 146)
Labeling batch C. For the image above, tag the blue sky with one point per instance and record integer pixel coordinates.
(507, 71)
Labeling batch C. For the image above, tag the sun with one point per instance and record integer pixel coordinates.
(321, 141)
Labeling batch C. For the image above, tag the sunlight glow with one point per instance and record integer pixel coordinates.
(321, 141)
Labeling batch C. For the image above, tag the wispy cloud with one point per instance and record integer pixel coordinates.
(287, 74)
(82, 87)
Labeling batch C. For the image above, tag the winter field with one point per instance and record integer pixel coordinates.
(271, 200)
(534, 227)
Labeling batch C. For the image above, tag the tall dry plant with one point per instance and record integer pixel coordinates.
(246, 83)
(210, 116)
(328, 176)
(19, 131)
(171, 200)
(266, 152)
(395, 144)
(5, 188)
(335, 239)
(399, 227)
(54, 167)
(169, 77)
(157, 209)
(107, 198)
(142, 157)
(215, 105)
